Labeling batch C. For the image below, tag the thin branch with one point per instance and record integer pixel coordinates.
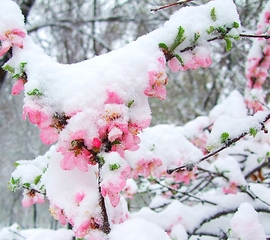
(155, 9)
(185, 193)
(21, 236)
(244, 35)
(220, 214)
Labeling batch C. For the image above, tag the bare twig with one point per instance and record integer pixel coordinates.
(244, 35)
(21, 236)
(155, 9)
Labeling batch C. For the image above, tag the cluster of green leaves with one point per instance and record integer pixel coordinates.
(223, 31)
(15, 184)
(114, 166)
(11, 70)
(179, 39)
(253, 132)
(34, 92)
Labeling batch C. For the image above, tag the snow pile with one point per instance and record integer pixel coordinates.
(245, 224)
(97, 114)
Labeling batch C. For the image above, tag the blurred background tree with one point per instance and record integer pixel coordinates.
(72, 31)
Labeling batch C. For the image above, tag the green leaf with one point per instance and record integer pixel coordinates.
(228, 44)
(210, 30)
(236, 25)
(34, 92)
(37, 179)
(179, 59)
(115, 142)
(27, 185)
(178, 39)
(16, 76)
(163, 46)
(101, 160)
(22, 66)
(9, 69)
(253, 132)
(224, 137)
(221, 30)
(130, 103)
(196, 37)
(16, 164)
(114, 166)
(213, 14)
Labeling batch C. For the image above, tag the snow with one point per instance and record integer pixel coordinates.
(138, 228)
(15, 233)
(98, 114)
(245, 224)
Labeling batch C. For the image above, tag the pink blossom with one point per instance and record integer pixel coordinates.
(48, 135)
(157, 81)
(184, 176)
(31, 197)
(11, 38)
(112, 188)
(18, 86)
(79, 197)
(72, 159)
(113, 195)
(96, 144)
(231, 189)
(75, 153)
(58, 214)
(130, 189)
(37, 117)
(205, 61)
(49, 130)
(113, 98)
(146, 167)
(174, 64)
(86, 226)
(267, 17)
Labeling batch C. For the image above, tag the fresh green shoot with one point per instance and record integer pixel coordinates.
(253, 132)
(34, 92)
(213, 14)
(228, 44)
(224, 137)
(114, 166)
(178, 39)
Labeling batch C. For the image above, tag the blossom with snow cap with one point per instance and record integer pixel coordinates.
(157, 81)
(11, 38)
(114, 174)
(31, 197)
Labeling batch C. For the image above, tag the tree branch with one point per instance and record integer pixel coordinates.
(155, 9)
(228, 143)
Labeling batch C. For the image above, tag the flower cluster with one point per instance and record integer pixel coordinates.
(258, 64)
(50, 125)
(157, 81)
